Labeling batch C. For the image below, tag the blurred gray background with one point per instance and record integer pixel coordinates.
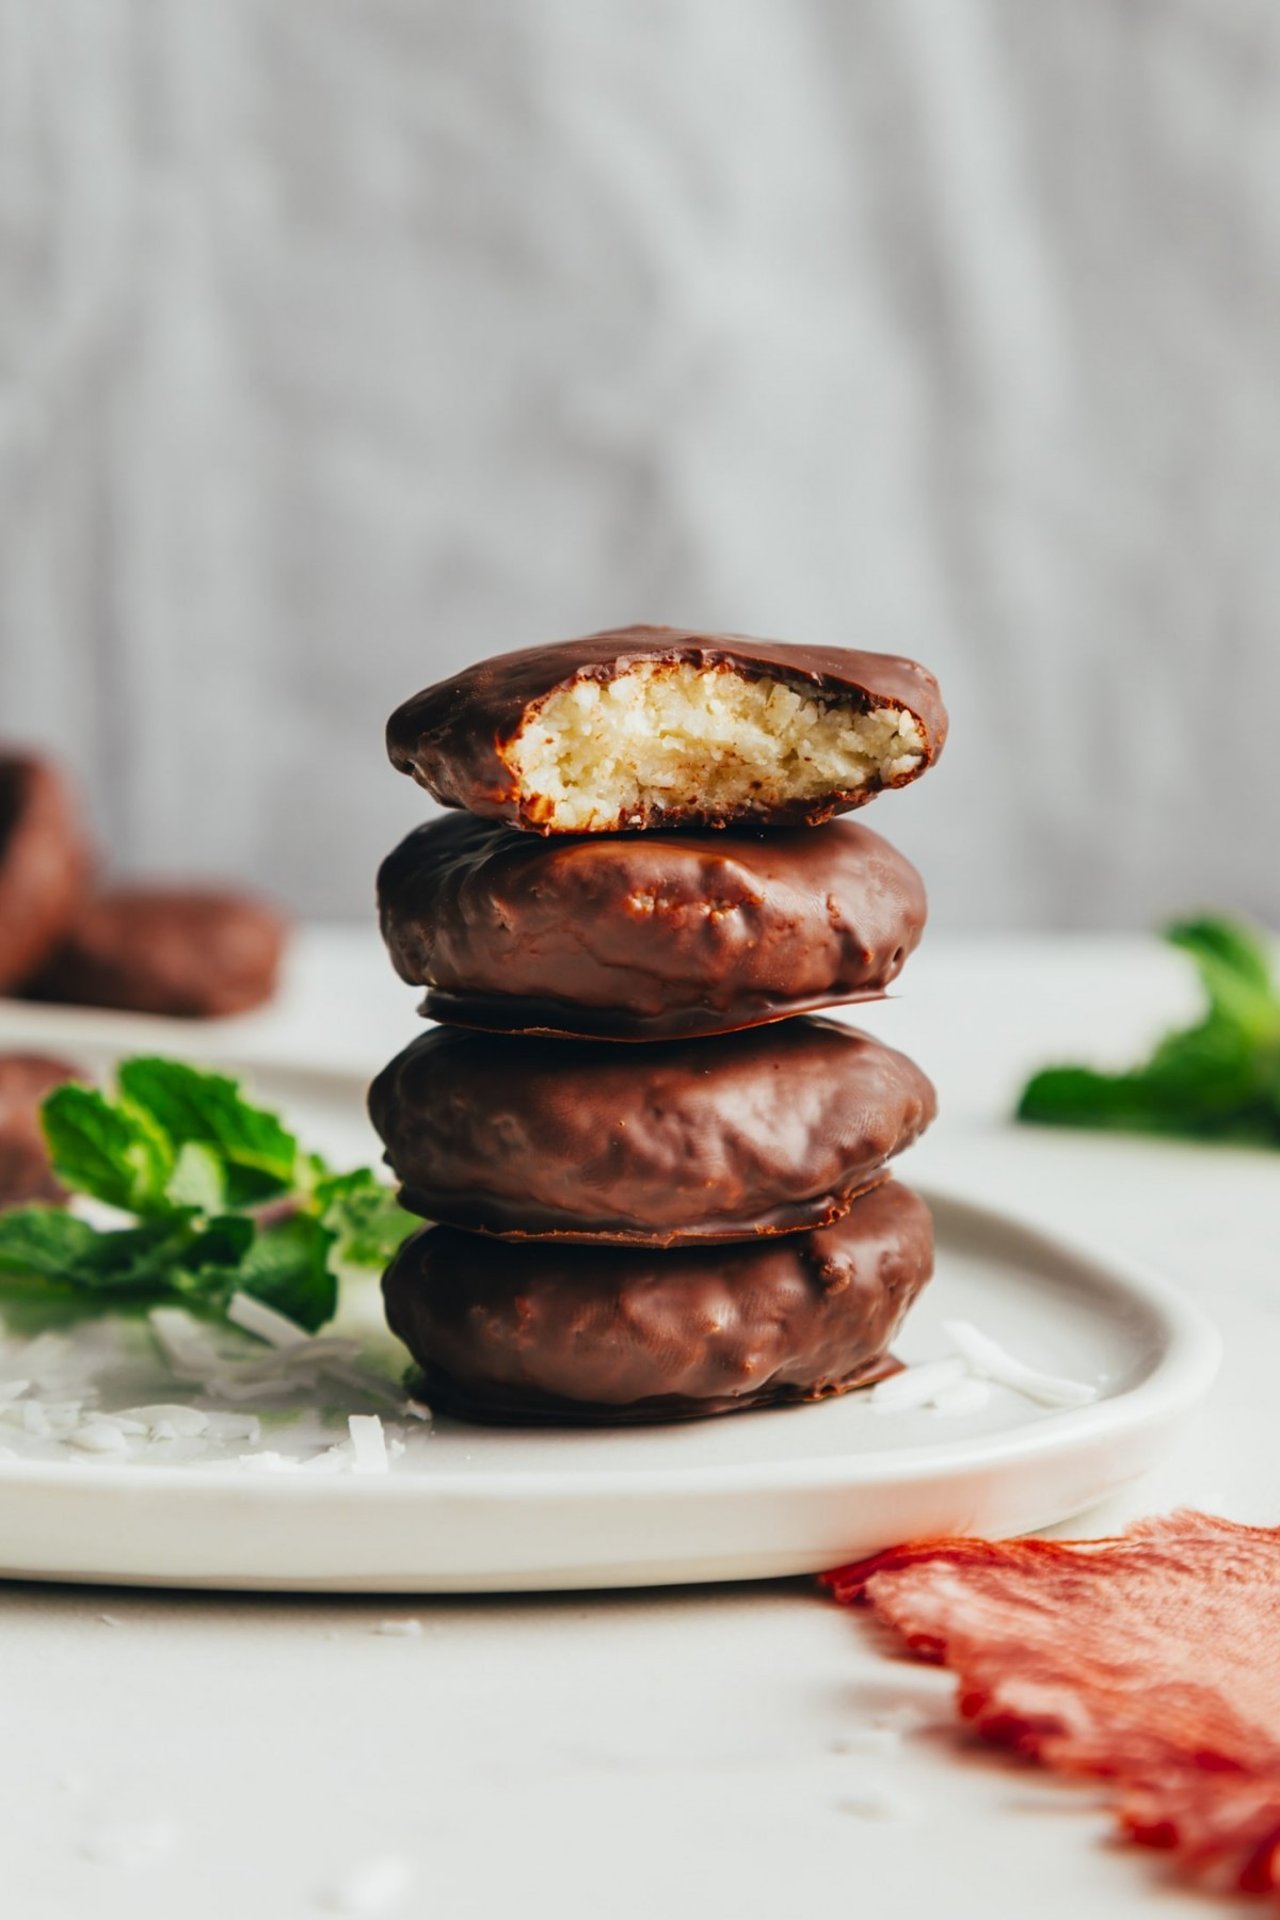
(342, 341)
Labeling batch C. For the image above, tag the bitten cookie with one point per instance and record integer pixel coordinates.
(659, 727)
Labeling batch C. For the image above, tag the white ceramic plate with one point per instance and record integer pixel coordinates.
(779, 1492)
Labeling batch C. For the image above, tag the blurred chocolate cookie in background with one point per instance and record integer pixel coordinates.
(25, 1172)
(190, 952)
(45, 864)
(193, 952)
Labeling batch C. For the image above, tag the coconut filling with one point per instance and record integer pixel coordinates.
(670, 737)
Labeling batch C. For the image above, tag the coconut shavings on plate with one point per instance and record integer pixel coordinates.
(961, 1382)
(267, 1397)
(111, 1390)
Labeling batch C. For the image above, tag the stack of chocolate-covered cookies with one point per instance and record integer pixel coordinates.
(660, 1183)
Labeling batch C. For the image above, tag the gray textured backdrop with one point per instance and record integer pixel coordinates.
(342, 340)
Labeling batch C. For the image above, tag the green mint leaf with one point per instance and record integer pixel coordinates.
(365, 1217)
(48, 1244)
(135, 1260)
(222, 1195)
(211, 1264)
(288, 1267)
(198, 1179)
(222, 1242)
(1078, 1097)
(1229, 944)
(107, 1149)
(43, 1242)
(1199, 1101)
(1209, 1072)
(1234, 965)
(258, 1155)
(376, 1240)
(1218, 1080)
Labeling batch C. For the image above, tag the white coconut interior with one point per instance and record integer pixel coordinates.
(596, 753)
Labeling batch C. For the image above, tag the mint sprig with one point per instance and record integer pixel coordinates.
(1216, 1080)
(222, 1199)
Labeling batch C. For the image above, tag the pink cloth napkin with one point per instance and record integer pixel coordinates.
(1151, 1660)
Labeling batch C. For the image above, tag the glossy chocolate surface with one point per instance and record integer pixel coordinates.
(645, 936)
(190, 952)
(25, 1172)
(453, 737)
(44, 865)
(601, 1335)
(763, 1132)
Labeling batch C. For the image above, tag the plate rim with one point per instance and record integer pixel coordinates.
(1181, 1375)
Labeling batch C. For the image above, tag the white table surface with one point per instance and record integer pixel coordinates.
(623, 1757)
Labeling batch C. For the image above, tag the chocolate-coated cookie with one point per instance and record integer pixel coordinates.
(600, 1335)
(649, 935)
(44, 864)
(768, 1131)
(25, 1172)
(659, 726)
(186, 951)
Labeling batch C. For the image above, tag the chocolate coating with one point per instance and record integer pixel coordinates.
(25, 1172)
(599, 1335)
(453, 737)
(645, 936)
(762, 1132)
(44, 864)
(189, 952)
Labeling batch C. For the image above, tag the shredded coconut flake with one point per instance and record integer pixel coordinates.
(52, 1403)
(97, 1437)
(368, 1443)
(180, 1419)
(374, 1887)
(256, 1317)
(183, 1342)
(918, 1385)
(62, 1415)
(332, 1460)
(991, 1362)
(967, 1396)
(48, 1359)
(233, 1426)
(126, 1422)
(268, 1462)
